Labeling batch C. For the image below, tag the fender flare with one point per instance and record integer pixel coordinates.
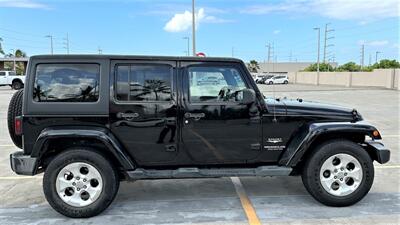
(101, 134)
(306, 135)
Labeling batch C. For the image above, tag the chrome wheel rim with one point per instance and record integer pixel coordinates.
(79, 184)
(341, 174)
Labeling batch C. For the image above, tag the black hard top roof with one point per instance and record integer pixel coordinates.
(136, 57)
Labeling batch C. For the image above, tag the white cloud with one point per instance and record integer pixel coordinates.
(276, 31)
(376, 43)
(183, 21)
(363, 10)
(23, 4)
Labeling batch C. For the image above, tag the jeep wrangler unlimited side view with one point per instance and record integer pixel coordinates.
(91, 121)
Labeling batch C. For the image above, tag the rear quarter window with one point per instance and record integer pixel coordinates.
(70, 82)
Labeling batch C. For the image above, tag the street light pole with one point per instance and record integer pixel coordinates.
(376, 56)
(194, 28)
(51, 42)
(188, 45)
(319, 35)
(14, 66)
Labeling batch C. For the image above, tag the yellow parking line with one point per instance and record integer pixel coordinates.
(7, 145)
(21, 177)
(388, 167)
(246, 203)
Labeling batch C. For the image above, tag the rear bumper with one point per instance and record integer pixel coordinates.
(380, 153)
(23, 164)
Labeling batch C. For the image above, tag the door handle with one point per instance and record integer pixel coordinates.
(128, 116)
(195, 116)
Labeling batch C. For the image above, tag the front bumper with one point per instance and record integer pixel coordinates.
(380, 153)
(23, 164)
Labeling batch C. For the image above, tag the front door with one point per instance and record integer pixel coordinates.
(143, 110)
(217, 128)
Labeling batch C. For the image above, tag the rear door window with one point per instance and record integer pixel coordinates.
(70, 82)
(143, 82)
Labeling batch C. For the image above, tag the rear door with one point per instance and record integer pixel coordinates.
(216, 128)
(143, 110)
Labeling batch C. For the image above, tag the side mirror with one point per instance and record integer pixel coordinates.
(246, 96)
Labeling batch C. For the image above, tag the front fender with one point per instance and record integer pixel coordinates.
(306, 135)
(101, 134)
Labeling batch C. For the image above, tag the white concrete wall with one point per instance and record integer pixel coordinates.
(384, 78)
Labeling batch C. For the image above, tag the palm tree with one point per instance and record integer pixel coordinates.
(1, 48)
(253, 66)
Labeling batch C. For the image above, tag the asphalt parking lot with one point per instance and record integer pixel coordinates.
(272, 200)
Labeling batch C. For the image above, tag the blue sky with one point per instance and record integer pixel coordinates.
(157, 27)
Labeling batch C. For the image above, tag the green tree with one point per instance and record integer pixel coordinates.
(350, 66)
(253, 66)
(386, 64)
(323, 67)
(19, 66)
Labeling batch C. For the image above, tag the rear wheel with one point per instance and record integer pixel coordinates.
(338, 173)
(15, 109)
(270, 82)
(286, 82)
(80, 183)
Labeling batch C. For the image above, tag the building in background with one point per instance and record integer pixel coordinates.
(285, 67)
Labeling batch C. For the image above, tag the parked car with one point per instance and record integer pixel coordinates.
(258, 77)
(265, 78)
(278, 79)
(91, 121)
(10, 78)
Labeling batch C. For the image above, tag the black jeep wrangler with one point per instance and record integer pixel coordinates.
(91, 121)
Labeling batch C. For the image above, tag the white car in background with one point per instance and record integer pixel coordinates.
(278, 79)
(9, 78)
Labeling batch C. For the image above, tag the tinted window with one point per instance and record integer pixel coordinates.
(66, 83)
(12, 73)
(215, 84)
(2, 73)
(143, 82)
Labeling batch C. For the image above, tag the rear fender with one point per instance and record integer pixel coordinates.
(306, 135)
(95, 133)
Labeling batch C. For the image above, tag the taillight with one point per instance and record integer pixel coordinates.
(18, 125)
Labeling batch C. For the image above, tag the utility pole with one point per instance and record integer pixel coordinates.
(269, 52)
(290, 56)
(51, 42)
(362, 57)
(194, 28)
(369, 61)
(99, 50)
(188, 45)
(233, 52)
(13, 53)
(319, 37)
(66, 43)
(326, 38)
(376, 56)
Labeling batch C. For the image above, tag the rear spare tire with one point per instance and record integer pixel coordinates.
(15, 109)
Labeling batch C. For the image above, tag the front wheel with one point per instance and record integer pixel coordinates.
(16, 85)
(338, 173)
(80, 183)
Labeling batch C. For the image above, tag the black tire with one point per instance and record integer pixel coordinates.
(311, 172)
(90, 156)
(270, 83)
(17, 85)
(286, 82)
(15, 109)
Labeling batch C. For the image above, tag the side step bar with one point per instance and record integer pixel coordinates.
(261, 171)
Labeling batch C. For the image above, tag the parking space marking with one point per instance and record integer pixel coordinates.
(246, 203)
(7, 145)
(21, 177)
